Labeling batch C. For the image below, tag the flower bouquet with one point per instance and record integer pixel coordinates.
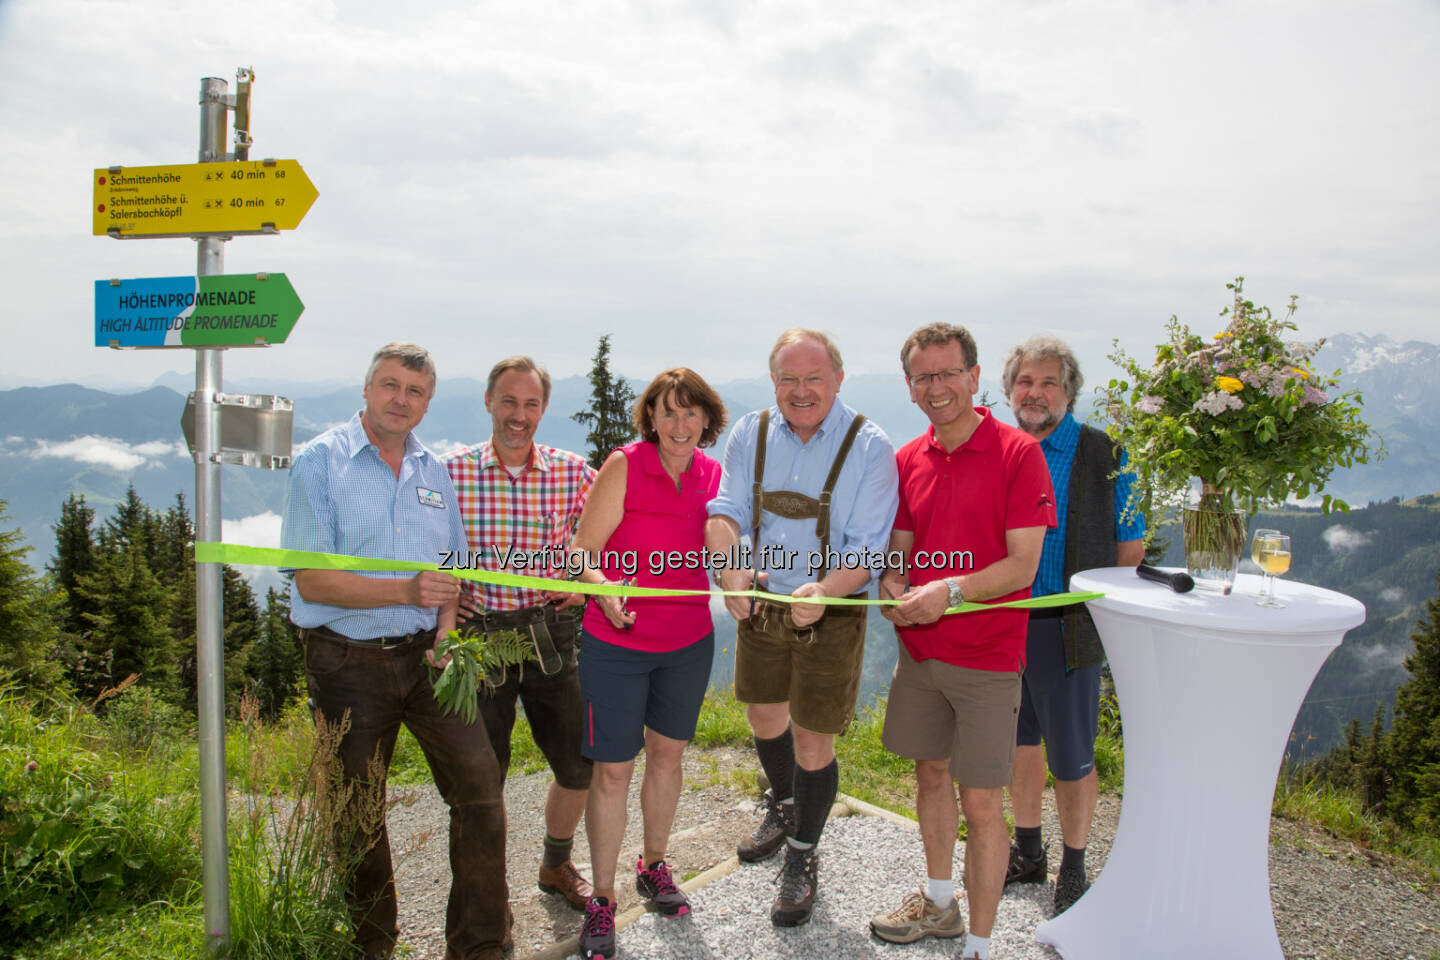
(1247, 414)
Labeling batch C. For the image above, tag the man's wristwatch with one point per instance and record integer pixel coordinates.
(957, 596)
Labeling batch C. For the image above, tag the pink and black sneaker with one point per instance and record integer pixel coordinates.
(597, 936)
(655, 883)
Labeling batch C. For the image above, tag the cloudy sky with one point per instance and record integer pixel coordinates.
(500, 177)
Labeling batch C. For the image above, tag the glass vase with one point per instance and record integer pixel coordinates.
(1214, 542)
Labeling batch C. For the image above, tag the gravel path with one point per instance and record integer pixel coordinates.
(1331, 899)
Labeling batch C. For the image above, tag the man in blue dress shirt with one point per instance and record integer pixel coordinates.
(814, 486)
(1060, 694)
(369, 488)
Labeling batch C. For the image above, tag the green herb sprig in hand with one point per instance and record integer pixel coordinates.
(472, 659)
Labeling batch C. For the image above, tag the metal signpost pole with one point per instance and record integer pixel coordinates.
(209, 622)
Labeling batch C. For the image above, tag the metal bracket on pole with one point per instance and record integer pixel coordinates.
(257, 429)
(244, 76)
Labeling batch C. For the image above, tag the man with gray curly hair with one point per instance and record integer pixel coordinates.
(1060, 691)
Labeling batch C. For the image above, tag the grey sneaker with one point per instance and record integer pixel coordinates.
(777, 824)
(656, 884)
(597, 936)
(916, 917)
(1022, 869)
(1070, 885)
(798, 879)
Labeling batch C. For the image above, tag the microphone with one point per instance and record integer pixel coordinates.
(1179, 582)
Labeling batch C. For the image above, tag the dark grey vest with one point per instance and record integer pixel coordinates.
(1089, 537)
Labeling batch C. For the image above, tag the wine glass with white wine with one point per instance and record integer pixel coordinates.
(1260, 543)
(1271, 552)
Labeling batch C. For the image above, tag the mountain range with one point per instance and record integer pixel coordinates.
(70, 438)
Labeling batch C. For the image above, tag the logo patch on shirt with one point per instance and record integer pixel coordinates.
(1044, 500)
(431, 498)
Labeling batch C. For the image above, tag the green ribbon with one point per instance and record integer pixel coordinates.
(209, 552)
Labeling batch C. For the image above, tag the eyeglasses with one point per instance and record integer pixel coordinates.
(946, 377)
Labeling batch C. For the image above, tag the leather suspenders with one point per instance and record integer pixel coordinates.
(792, 505)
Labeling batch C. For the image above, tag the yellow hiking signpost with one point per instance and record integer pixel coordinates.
(189, 199)
(225, 195)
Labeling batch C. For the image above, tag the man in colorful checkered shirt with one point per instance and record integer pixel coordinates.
(520, 502)
(1060, 695)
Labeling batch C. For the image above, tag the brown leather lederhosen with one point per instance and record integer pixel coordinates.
(792, 505)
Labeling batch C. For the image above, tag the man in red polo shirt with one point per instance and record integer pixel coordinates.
(975, 502)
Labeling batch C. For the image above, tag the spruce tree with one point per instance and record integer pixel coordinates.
(129, 628)
(132, 523)
(1414, 741)
(276, 664)
(242, 630)
(174, 565)
(74, 558)
(29, 613)
(608, 416)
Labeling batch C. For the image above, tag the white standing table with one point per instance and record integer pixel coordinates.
(1208, 688)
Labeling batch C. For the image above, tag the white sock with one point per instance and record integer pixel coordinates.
(977, 948)
(940, 892)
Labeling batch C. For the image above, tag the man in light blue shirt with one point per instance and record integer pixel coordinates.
(369, 488)
(813, 484)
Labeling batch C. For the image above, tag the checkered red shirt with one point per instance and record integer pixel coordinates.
(531, 515)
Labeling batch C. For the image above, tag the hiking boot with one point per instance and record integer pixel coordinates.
(654, 883)
(916, 917)
(597, 936)
(566, 881)
(1070, 885)
(1024, 870)
(777, 824)
(798, 878)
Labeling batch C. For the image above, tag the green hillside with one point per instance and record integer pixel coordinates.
(1386, 556)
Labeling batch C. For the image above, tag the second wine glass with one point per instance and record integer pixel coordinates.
(1273, 556)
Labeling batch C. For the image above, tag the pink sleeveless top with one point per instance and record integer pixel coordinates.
(661, 537)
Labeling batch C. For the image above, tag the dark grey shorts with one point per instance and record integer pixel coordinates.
(1058, 706)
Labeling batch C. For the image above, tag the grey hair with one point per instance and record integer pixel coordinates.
(412, 356)
(800, 335)
(1045, 348)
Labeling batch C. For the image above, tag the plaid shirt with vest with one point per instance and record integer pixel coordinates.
(518, 524)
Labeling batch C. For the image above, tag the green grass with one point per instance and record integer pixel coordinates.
(722, 721)
(99, 819)
(88, 826)
(156, 929)
(868, 771)
(1343, 815)
(146, 811)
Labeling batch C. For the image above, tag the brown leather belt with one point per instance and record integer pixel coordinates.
(489, 621)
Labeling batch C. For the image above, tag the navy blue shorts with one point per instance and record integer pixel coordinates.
(625, 691)
(1059, 706)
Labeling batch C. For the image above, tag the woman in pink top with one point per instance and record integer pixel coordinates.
(645, 664)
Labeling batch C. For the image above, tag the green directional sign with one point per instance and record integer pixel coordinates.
(231, 310)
